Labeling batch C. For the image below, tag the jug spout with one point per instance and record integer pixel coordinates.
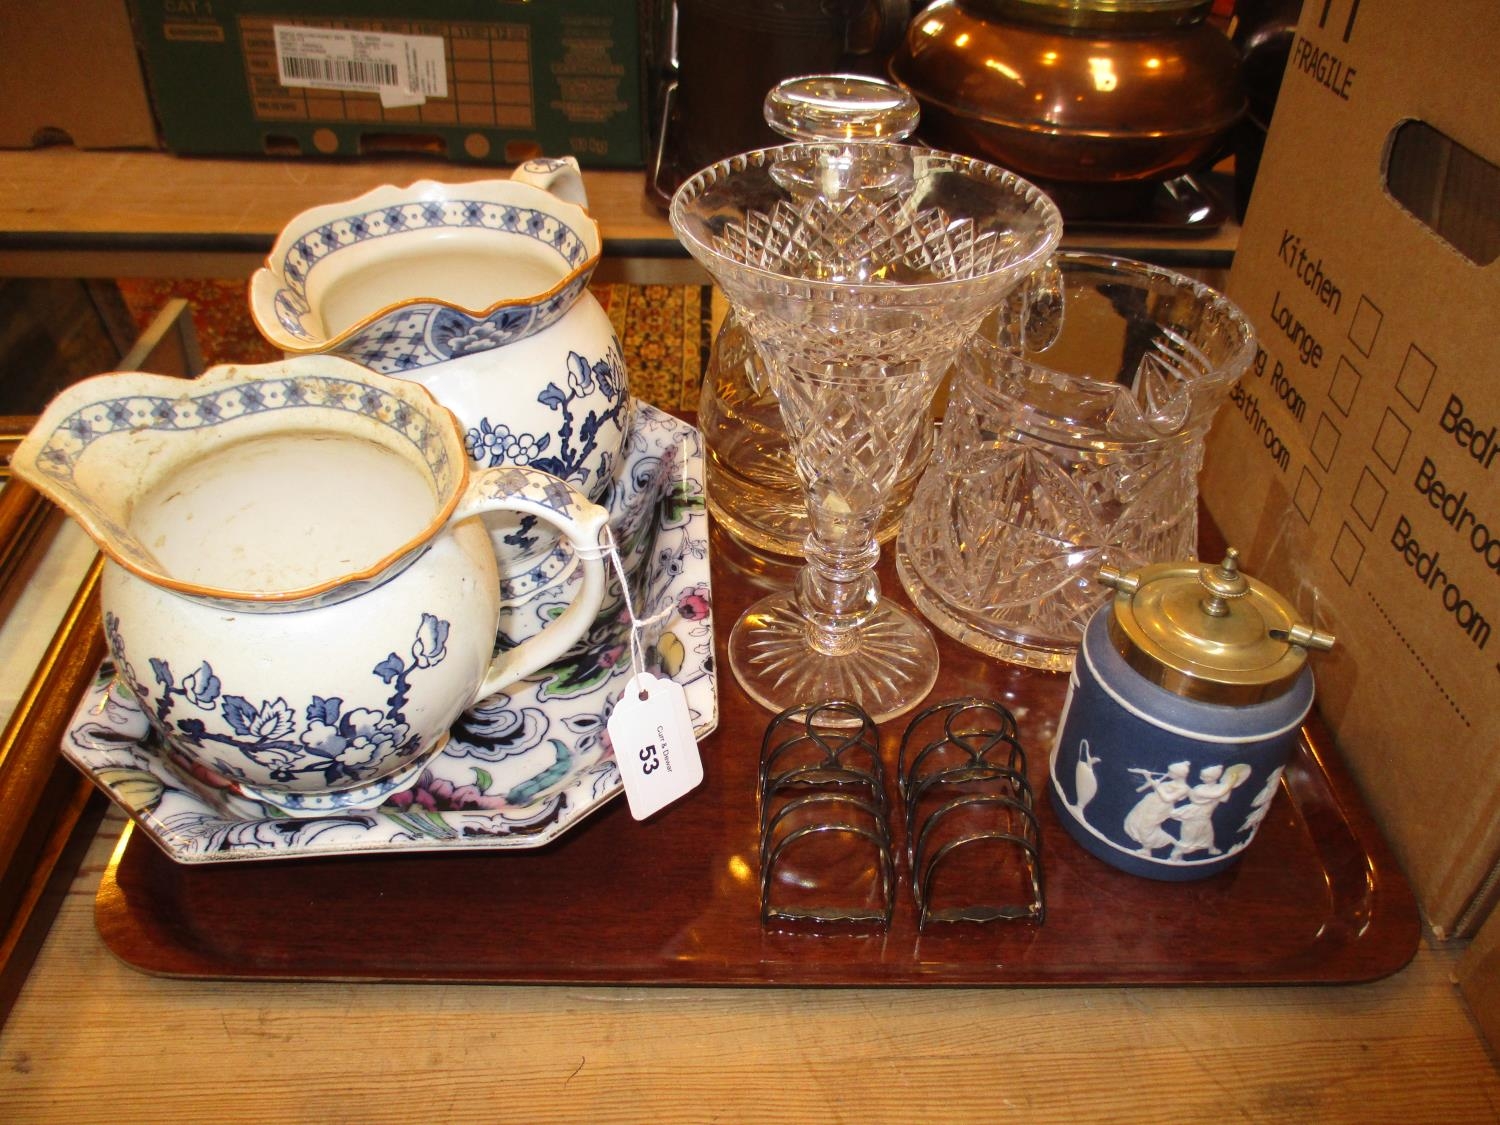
(276, 484)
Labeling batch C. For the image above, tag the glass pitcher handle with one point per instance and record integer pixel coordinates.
(1035, 308)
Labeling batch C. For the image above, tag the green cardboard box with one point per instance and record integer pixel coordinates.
(482, 81)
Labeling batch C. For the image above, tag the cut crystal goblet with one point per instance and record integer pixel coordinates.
(858, 270)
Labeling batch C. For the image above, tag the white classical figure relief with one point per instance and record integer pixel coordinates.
(1262, 803)
(1143, 824)
(1195, 817)
(1170, 798)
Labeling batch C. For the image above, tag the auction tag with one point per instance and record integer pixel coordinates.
(655, 748)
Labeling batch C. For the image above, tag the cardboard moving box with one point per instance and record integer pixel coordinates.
(1479, 980)
(72, 73)
(1357, 466)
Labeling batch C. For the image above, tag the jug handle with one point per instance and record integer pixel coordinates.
(514, 488)
(1032, 317)
(559, 175)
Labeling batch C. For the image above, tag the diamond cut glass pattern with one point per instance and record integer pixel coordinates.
(858, 271)
(1072, 444)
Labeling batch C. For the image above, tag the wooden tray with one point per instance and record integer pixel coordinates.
(675, 899)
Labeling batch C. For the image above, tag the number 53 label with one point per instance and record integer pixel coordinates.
(655, 749)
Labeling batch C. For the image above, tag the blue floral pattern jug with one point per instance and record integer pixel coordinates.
(480, 292)
(298, 589)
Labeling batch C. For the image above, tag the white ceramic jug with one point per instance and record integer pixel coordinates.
(298, 590)
(479, 291)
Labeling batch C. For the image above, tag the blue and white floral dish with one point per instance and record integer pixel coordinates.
(520, 769)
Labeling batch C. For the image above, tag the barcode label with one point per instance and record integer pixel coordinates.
(341, 72)
(402, 69)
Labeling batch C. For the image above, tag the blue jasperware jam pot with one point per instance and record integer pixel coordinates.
(1182, 712)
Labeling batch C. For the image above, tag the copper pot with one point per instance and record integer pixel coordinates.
(1077, 95)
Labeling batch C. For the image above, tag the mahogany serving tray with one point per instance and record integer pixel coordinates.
(1316, 898)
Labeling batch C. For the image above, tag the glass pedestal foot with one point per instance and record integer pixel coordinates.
(889, 667)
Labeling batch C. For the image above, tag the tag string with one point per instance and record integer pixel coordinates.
(609, 549)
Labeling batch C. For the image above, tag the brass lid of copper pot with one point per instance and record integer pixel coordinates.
(1208, 632)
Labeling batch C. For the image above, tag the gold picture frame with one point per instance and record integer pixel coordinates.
(51, 810)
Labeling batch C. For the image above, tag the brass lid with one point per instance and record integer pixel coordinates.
(1208, 632)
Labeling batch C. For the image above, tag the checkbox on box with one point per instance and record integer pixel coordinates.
(1416, 377)
(1391, 439)
(1348, 552)
(1309, 491)
(1345, 385)
(1369, 497)
(1366, 326)
(1325, 442)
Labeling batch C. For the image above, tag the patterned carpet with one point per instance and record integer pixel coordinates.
(664, 330)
